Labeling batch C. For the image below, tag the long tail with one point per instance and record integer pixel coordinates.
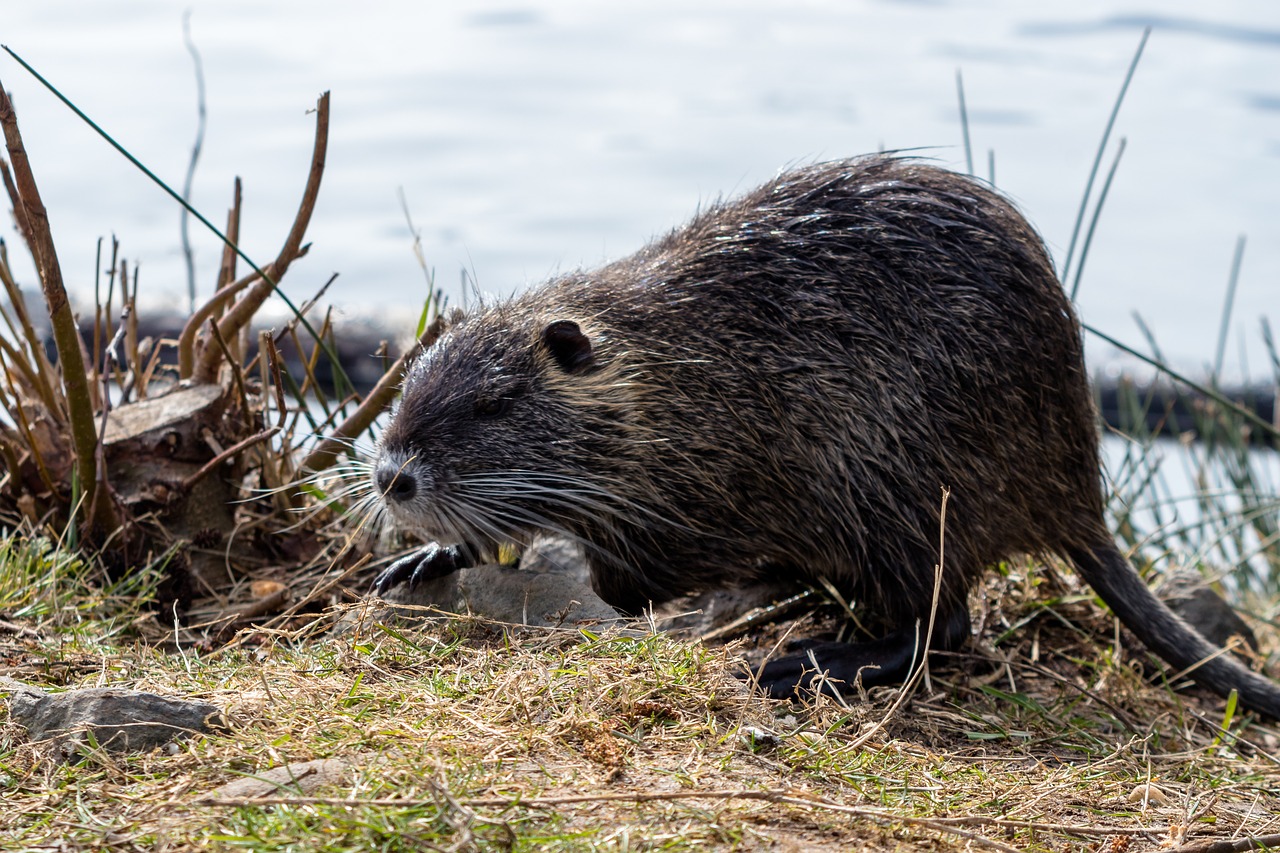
(1111, 576)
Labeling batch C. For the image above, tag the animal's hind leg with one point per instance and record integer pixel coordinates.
(883, 661)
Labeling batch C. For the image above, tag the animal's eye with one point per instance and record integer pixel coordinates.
(492, 407)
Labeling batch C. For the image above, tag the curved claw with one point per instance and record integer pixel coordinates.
(427, 563)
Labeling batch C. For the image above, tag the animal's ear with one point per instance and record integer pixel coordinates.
(568, 345)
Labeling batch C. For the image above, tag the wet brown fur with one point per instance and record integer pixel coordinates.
(782, 388)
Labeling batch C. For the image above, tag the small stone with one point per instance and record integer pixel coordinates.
(1148, 793)
(758, 738)
(263, 588)
(550, 589)
(119, 720)
(293, 779)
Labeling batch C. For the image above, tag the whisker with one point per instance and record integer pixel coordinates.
(530, 484)
(537, 522)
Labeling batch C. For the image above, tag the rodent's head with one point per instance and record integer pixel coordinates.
(487, 443)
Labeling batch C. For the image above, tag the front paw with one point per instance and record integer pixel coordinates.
(433, 561)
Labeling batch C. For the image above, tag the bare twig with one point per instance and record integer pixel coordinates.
(237, 375)
(292, 244)
(290, 326)
(42, 376)
(19, 214)
(309, 362)
(277, 382)
(153, 361)
(133, 362)
(227, 270)
(1238, 845)
(32, 376)
(19, 414)
(112, 361)
(223, 294)
(233, 450)
(272, 463)
(196, 147)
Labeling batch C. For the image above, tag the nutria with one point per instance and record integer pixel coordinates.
(782, 388)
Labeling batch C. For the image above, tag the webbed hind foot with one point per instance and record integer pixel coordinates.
(887, 660)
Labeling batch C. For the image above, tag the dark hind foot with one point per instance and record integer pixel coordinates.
(887, 660)
(433, 561)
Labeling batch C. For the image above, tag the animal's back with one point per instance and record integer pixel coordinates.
(831, 351)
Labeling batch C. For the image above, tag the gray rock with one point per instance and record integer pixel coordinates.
(550, 588)
(292, 779)
(119, 720)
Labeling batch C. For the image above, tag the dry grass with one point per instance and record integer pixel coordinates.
(462, 735)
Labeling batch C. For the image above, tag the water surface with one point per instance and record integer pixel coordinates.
(535, 136)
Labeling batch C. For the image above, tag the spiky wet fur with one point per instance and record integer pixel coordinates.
(782, 387)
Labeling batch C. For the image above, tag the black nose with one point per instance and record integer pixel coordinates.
(395, 484)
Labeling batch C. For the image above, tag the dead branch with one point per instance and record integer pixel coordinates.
(309, 363)
(66, 336)
(216, 303)
(292, 324)
(227, 270)
(239, 316)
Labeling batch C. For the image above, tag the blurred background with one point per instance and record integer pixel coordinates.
(531, 137)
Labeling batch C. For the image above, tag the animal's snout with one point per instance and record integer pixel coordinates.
(395, 483)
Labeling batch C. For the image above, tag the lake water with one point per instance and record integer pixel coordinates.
(535, 136)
